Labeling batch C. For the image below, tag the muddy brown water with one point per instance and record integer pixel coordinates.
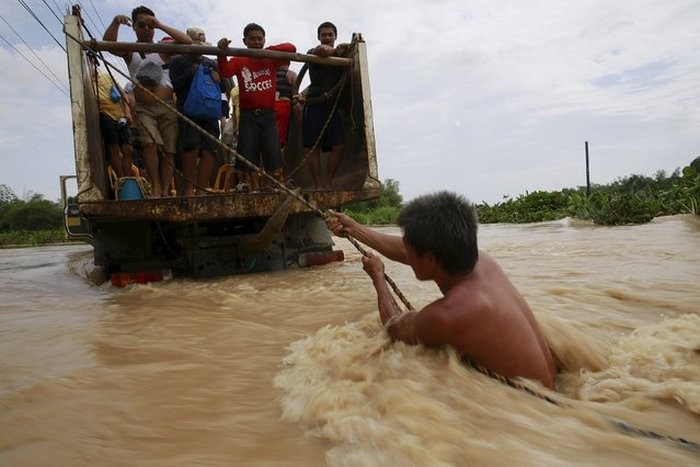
(292, 368)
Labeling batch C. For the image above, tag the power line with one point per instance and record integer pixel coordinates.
(84, 11)
(35, 54)
(98, 16)
(35, 67)
(31, 12)
(59, 9)
(54, 13)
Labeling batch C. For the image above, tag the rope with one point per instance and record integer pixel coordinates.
(619, 424)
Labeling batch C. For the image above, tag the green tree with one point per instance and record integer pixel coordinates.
(7, 196)
(35, 214)
(382, 210)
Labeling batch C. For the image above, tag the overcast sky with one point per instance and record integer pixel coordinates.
(486, 98)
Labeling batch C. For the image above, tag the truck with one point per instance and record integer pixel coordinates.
(224, 231)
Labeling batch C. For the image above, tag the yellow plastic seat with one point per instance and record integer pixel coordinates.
(223, 180)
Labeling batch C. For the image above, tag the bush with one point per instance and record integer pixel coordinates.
(32, 238)
(36, 214)
(383, 210)
(532, 207)
(381, 216)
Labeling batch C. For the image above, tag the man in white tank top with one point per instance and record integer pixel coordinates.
(157, 125)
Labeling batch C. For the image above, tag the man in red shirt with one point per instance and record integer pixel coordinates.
(257, 128)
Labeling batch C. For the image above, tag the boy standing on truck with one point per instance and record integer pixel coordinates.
(157, 124)
(115, 118)
(257, 128)
(195, 148)
(319, 100)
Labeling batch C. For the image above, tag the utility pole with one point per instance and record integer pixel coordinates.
(588, 174)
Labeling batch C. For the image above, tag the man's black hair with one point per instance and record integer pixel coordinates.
(443, 224)
(326, 24)
(141, 10)
(250, 27)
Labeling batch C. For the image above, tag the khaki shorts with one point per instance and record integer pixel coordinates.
(157, 124)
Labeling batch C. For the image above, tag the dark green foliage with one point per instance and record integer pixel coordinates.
(634, 199)
(695, 164)
(7, 196)
(616, 208)
(383, 210)
(31, 238)
(532, 207)
(34, 214)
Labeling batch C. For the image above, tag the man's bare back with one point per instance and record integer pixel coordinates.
(492, 324)
(481, 315)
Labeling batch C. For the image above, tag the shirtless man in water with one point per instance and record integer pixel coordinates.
(481, 314)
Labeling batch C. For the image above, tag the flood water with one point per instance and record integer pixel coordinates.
(293, 369)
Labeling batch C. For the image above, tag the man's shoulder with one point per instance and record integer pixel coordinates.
(180, 59)
(464, 301)
(210, 62)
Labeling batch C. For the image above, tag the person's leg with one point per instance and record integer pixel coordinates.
(335, 158)
(126, 151)
(167, 169)
(270, 146)
(311, 129)
(150, 158)
(315, 166)
(168, 130)
(115, 159)
(127, 160)
(334, 139)
(249, 147)
(149, 137)
(206, 165)
(207, 155)
(110, 136)
(189, 171)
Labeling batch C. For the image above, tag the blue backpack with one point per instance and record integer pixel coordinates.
(204, 99)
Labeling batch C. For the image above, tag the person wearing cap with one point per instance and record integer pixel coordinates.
(195, 148)
(257, 128)
(156, 123)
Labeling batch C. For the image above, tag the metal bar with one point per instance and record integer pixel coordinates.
(170, 48)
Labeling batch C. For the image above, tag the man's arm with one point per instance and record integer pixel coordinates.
(388, 308)
(124, 104)
(223, 62)
(327, 51)
(390, 246)
(283, 47)
(112, 31)
(430, 326)
(179, 36)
